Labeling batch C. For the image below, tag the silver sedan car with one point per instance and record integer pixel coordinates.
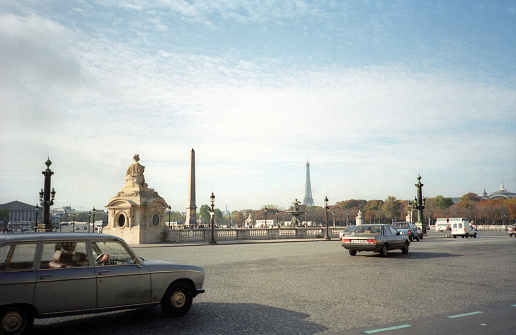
(379, 238)
(57, 274)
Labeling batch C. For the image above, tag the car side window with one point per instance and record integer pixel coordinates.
(111, 253)
(17, 257)
(67, 254)
(390, 230)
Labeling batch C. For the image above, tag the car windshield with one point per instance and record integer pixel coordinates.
(376, 230)
(400, 225)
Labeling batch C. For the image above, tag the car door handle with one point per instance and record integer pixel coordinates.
(101, 272)
(45, 276)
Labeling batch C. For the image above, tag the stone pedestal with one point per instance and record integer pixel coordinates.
(359, 218)
(137, 213)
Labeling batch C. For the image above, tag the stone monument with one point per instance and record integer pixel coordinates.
(190, 205)
(137, 212)
(359, 218)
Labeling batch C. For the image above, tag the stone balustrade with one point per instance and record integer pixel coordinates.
(197, 235)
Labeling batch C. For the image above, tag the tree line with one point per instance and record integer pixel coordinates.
(471, 206)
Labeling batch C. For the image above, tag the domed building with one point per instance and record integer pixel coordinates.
(502, 193)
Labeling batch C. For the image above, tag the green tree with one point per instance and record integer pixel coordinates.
(4, 215)
(442, 202)
(204, 213)
(392, 207)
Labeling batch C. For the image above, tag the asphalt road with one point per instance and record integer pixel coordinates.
(443, 286)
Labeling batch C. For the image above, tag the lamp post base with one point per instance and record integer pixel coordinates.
(44, 228)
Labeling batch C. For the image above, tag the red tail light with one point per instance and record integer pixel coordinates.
(346, 240)
(372, 241)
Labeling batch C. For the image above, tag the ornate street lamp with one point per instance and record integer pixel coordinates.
(419, 205)
(92, 221)
(212, 216)
(169, 212)
(89, 218)
(36, 211)
(46, 201)
(326, 208)
(265, 214)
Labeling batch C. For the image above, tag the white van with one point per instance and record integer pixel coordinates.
(461, 227)
(442, 224)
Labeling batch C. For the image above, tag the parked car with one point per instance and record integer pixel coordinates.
(375, 237)
(462, 229)
(55, 274)
(346, 231)
(511, 230)
(409, 229)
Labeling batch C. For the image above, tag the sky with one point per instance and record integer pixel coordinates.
(370, 93)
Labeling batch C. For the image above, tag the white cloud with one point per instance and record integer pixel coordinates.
(90, 103)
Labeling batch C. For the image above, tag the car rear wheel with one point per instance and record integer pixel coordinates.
(352, 252)
(15, 320)
(405, 248)
(177, 300)
(385, 250)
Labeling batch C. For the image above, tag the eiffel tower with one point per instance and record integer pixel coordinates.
(308, 201)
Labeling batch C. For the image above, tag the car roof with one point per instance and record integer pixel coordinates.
(375, 224)
(54, 236)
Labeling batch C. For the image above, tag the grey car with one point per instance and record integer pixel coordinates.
(409, 229)
(56, 274)
(379, 238)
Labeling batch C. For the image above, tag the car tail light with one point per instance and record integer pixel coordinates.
(372, 241)
(346, 240)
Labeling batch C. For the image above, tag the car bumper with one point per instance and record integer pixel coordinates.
(362, 247)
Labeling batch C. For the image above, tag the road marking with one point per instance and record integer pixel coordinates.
(386, 329)
(461, 315)
(513, 305)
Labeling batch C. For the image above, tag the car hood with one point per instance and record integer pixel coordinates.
(156, 265)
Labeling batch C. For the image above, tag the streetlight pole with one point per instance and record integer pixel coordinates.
(92, 221)
(89, 218)
(420, 205)
(169, 210)
(326, 208)
(265, 214)
(212, 214)
(73, 223)
(46, 201)
(36, 211)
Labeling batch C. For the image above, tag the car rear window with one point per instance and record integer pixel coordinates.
(17, 257)
(374, 230)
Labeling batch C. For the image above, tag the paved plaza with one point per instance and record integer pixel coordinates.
(316, 287)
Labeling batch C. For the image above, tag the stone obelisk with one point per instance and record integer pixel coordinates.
(190, 206)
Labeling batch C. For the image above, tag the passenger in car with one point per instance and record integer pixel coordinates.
(65, 256)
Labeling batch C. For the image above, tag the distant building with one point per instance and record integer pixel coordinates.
(502, 193)
(21, 212)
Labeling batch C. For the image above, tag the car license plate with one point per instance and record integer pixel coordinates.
(359, 241)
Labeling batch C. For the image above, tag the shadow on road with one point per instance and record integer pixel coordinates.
(410, 255)
(203, 318)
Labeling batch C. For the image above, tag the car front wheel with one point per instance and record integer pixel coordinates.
(177, 300)
(15, 320)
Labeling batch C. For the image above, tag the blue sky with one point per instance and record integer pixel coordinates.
(371, 93)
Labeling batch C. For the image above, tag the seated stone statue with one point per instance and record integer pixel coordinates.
(134, 175)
